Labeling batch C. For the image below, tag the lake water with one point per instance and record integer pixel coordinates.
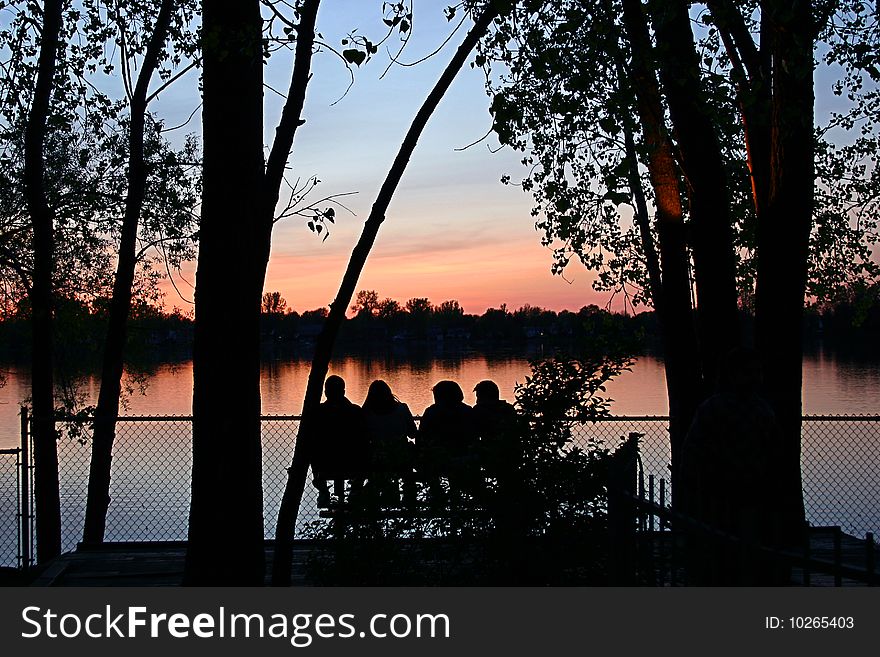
(152, 460)
(832, 385)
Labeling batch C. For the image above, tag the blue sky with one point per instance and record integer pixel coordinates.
(453, 230)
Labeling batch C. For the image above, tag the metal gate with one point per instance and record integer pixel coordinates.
(16, 502)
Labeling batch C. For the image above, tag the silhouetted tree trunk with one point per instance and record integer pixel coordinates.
(48, 513)
(107, 409)
(783, 241)
(673, 299)
(706, 181)
(298, 470)
(775, 95)
(226, 513)
(258, 209)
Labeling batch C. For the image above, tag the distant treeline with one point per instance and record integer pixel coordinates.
(854, 314)
(80, 330)
(375, 322)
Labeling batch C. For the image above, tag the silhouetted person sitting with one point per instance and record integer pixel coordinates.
(498, 427)
(342, 449)
(390, 424)
(726, 474)
(447, 442)
(495, 421)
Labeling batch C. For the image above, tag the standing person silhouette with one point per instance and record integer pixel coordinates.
(726, 475)
(447, 442)
(389, 424)
(342, 449)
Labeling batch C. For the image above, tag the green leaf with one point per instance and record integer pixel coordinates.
(608, 125)
(618, 198)
(353, 56)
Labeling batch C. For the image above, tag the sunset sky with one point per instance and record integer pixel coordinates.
(453, 230)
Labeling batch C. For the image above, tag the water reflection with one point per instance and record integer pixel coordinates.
(833, 384)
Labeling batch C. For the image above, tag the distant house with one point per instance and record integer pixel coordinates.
(458, 334)
(309, 331)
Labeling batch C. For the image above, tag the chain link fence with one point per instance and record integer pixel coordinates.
(840, 464)
(150, 479)
(152, 460)
(9, 503)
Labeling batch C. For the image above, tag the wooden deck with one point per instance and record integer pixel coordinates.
(141, 564)
(161, 564)
(853, 558)
(847, 564)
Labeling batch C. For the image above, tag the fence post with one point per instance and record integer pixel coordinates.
(623, 518)
(24, 501)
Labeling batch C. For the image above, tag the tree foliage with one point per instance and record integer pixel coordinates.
(86, 148)
(560, 83)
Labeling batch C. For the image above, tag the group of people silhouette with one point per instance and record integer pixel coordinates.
(378, 449)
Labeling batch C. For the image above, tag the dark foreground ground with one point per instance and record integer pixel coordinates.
(161, 564)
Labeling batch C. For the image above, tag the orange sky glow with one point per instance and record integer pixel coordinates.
(477, 276)
(453, 231)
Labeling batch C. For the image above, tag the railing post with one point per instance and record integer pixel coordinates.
(25, 499)
(661, 523)
(838, 579)
(640, 509)
(807, 557)
(869, 557)
(662, 503)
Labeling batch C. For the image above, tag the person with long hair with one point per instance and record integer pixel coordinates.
(390, 425)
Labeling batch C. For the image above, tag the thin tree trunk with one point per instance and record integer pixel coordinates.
(783, 244)
(751, 73)
(298, 470)
(642, 218)
(107, 409)
(291, 119)
(683, 379)
(48, 512)
(226, 543)
(703, 167)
